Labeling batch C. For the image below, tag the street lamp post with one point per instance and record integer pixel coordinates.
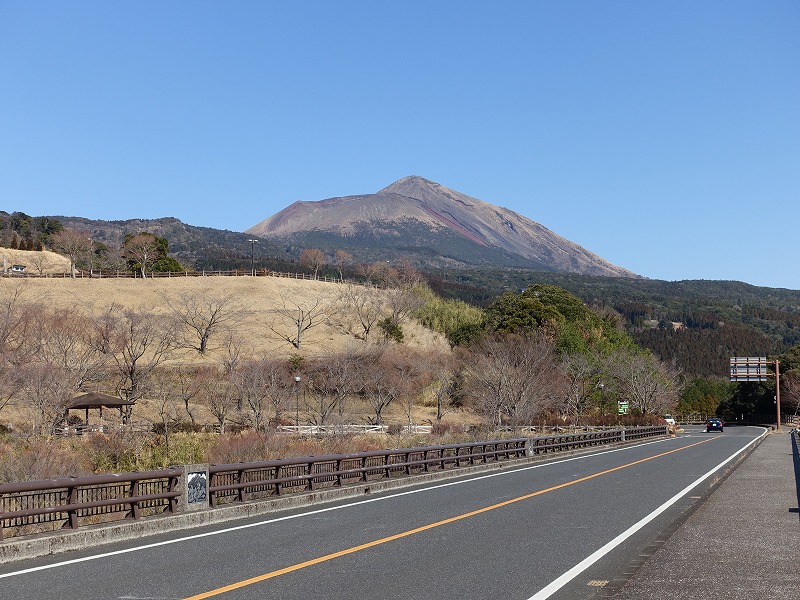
(252, 257)
(602, 387)
(297, 403)
(91, 258)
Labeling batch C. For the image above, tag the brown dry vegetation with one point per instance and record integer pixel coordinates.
(255, 298)
(255, 303)
(137, 339)
(44, 262)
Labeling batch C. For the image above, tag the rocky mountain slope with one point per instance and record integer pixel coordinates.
(433, 226)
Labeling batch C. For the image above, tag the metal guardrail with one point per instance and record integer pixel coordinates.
(33, 507)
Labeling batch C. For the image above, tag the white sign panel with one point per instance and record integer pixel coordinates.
(749, 368)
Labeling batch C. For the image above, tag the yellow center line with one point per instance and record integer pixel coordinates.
(410, 532)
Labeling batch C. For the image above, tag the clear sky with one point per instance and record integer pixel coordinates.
(662, 135)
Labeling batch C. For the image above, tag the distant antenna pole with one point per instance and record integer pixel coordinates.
(252, 257)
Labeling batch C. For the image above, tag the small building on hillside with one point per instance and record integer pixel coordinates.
(97, 401)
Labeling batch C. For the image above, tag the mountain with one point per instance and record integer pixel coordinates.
(433, 226)
(200, 248)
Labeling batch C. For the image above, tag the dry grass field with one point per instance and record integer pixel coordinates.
(35, 262)
(256, 301)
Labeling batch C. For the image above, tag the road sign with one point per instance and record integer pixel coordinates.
(622, 407)
(749, 368)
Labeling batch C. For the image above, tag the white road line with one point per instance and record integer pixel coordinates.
(511, 471)
(564, 579)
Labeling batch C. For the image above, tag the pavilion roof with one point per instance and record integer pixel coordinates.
(97, 400)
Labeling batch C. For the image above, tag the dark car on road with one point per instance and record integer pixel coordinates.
(714, 424)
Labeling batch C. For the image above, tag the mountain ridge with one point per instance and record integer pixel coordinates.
(410, 206)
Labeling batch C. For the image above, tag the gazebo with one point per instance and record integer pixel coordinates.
(97, 400)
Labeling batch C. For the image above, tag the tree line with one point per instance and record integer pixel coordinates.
(540, 355)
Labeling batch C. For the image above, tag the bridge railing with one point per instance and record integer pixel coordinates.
(68, 502)
(32, 507)
(251, 481)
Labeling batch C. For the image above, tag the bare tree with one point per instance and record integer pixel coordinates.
(73, 244)
(164, 390)
(790, 382)
(113, 259)
(649, 386)
(65, 340)
(402, 304)
(39, 259)
(408, 277)
(12, 382)
(187, 388)
(332, 381)
(443, 382)
(365, 303)
(412, 373)
(312, 258)
(343, 259)
(18, 340)
(373, 272)
(513, 376)
(200, 316)
(583, 379)
(381, 384)
(137, 342)
(142, 249)
(233, 352)
(46, 390)
(264, 386)
(18, 316)
(219, 393)
(299, 318)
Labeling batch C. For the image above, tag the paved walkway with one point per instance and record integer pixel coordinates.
(743, 543)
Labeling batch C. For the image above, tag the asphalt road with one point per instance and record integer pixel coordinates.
(560, 529)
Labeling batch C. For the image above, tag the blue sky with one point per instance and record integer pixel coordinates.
(663, 136)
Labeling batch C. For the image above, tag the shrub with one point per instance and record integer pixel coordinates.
(39, 459)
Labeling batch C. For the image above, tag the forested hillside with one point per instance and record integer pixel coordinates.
(697, 325)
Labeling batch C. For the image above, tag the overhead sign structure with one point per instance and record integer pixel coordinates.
(749, 368)
(754, 368)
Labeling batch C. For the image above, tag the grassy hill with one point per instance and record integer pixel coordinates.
(43, 262)
(255, 302)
